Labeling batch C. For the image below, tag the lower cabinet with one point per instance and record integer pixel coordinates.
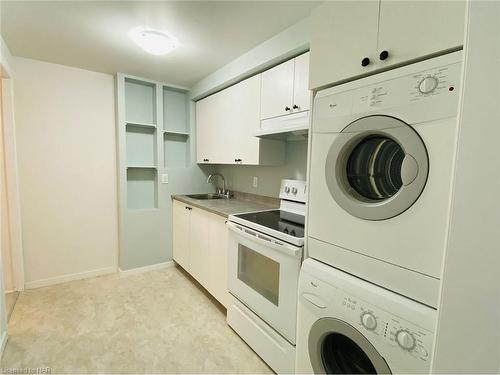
(200, 247)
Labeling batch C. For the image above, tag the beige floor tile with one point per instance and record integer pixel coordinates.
(156, 322)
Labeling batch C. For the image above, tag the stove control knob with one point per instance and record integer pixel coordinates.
(428, 85)
(405, 340)
(369, 321)
(287, 189)
(294, 191)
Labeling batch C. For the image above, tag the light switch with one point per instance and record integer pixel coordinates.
(255, 181)
(164, 178)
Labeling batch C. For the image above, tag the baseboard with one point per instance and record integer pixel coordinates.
(153, 267)
(71, 277)
(3, 343)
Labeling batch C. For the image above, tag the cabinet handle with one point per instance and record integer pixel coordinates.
(189, 208)
(205, 160)
(287, 108)
(365, 61)
(384, 55)
(295, 106)
(237, 160)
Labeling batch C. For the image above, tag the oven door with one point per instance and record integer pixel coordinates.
(263, 274)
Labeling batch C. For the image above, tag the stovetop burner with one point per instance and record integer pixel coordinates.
(279, 220)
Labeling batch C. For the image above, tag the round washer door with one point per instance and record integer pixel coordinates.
(377, 167)
(336, 347)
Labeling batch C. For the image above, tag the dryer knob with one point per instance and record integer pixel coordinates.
(428, 85)
(369, 321)
(405, 340)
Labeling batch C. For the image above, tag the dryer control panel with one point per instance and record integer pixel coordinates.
(416, 93)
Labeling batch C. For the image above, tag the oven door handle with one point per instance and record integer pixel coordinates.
(265, 240)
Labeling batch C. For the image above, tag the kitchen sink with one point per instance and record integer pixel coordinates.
(206, 196)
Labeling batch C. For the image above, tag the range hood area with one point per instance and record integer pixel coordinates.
(289, 127)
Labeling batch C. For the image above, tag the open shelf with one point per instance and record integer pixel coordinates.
(141, 145)
(142, 189)
(175, 150)
(141, 166)
(140, 125)
(183, 134)
(140, 102)
(175, 111)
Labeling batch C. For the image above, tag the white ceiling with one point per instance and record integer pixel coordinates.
(93, 34)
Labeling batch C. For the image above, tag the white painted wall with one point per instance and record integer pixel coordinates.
(468, 331)
(5, 71)
(65, 124)
(281, 47)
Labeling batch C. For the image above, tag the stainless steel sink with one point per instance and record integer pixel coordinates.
(206, 196)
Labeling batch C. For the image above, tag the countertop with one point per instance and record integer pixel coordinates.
(240, 203)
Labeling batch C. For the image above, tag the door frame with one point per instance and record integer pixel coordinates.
(11, 171)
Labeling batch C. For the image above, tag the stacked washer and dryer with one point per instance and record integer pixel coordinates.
(381, 168)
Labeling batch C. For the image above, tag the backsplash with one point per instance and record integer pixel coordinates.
(240, 177)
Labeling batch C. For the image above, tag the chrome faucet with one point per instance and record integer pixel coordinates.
(219, 191)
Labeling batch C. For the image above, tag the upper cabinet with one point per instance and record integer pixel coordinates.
(285, 88)
(226, 123)
(348, 40)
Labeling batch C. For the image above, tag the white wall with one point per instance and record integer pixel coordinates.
(65, 125)
(468, 331)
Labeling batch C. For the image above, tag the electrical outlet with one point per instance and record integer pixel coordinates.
(164, 178)
(255, 181)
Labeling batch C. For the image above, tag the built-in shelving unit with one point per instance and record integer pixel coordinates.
(176, 142)
(141, 144)
(153, 140)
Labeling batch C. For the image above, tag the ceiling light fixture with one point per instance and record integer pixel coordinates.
(155, 42)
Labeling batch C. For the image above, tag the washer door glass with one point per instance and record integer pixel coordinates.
(376, 167)
(341, 355)
(336, 347)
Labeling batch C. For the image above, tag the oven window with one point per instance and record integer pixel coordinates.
(260, 273)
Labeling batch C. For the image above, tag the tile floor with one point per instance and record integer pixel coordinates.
(156, 322)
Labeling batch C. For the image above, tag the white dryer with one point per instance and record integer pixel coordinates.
(381, 168)
(347, 325)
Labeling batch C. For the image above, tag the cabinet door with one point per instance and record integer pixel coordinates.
(244, 122)
(199, 245)
(301, 93)
(413, 29)
(180, 219)
(277, 90)
(342, 34)
(205, 125)
(217, 265)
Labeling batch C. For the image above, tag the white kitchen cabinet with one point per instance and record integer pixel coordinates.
(342, 34)
(301, 93)
(411, 29)
(217, 259)
(277, 90)
(226, 124)
(200, 247)
(180, 228)
(348, 40)
(285, 88)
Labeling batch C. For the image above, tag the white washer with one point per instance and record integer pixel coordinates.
(381, 167)
(347, 325)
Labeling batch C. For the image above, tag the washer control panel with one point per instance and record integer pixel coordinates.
(408, 337)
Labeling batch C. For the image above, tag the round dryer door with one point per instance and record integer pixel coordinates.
(377, 167)
(336, 347)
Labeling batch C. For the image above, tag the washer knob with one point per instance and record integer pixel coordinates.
(405, 340)
(287, 189)
(369, 321)
(428, 85)
(294, 191)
